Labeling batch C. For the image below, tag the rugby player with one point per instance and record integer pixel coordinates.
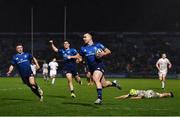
(93, 53)
(162, 65)
(69, 56)
(22, 61)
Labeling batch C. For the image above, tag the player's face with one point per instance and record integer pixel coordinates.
(87, 38)
(66, 45)
(54, 59)
(163, 55)
(19, 49)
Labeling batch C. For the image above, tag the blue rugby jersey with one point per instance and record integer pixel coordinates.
(89, 51)
(68, 52)
(23, 62)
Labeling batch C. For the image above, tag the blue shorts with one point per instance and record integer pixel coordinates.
(25, 78)
(98, 66)
(70, 68)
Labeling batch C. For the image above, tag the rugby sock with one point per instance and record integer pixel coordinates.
(53, 80)
(35, 89)
(99, 91)
(163, 84)
(79, 82)
(113, 84)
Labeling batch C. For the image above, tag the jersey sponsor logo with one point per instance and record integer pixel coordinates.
(21, 61)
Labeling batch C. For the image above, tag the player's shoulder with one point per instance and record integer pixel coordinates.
(83, 47)
(97, 44)
(15, 56)
(73, 49)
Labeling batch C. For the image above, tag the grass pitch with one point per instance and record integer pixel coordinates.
(17, 99)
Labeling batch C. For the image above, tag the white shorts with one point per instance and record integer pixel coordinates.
(53, 73)
(162, 73)
(45, 71)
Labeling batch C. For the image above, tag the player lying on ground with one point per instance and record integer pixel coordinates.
(93, 54)
(69, 66)
(22, 61)
(140, 94)
(162, 65)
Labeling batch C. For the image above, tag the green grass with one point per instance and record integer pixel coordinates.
(17, 99)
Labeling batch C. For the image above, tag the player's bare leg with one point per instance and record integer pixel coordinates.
(106, 83)
(35, 88)
(97, 75)
(70, 84)
(53, 80)
(163, 81)
(89, 78)
(78, 79)
(162, 95)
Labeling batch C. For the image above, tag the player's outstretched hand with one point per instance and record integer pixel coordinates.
(51, 41)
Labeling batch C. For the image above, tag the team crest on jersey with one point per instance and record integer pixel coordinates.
(25, 56)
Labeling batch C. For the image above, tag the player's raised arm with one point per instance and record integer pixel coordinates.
(10, 70)
(36, 63)
(53, 46)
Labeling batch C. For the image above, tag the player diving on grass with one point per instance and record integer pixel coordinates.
(69, 66)
(162, 65)
(140, 94)
(22, 61)
(93, 53)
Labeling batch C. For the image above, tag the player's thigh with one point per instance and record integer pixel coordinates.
(97, 75)
(88, 74)
(103, 80)
(69, 77)
(160, 76)
(32, 80)
(164, 76)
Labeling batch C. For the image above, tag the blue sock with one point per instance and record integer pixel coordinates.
(99, 91)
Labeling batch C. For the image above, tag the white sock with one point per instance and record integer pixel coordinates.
(163, 84)
(53, 80)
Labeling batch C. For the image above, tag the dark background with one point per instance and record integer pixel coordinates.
(90, 15)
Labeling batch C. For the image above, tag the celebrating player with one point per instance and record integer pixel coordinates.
(22, 61)
(140, 94)
(162, 65)
(45, 71)
(53, 70)
(93, 52)
(69, 55)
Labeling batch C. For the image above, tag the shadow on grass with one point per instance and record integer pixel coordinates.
(82, 104)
